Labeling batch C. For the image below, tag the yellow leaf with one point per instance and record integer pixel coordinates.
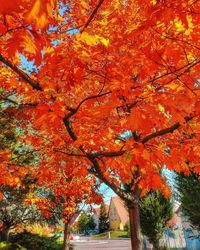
(179, 25)
(110, 134)
(16, 58)
(49, 50)
(5, 72)
(37, 14)
(87, 38)
(34, 11)
(49, 9)
(84, 4)
(92, 39)
(190, 25)
(161, 108)
(117, 3)
(103, 40)
(29, 44)
(190, 57)
(42, 20)
(17, 180)
(60, 18)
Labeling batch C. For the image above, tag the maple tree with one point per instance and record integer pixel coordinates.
(64, 196)
(55, 194)
(102, 69)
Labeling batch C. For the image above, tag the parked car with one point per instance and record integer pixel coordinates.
(74, 237)
(92, 232)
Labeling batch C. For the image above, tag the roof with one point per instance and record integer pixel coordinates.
(74, 217)
(98, 210)
(120, 208)
(175, 220)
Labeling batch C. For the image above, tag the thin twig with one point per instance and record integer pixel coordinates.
(21, 73)
(92, 15)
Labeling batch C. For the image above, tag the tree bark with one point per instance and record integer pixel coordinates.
(135, 228)
(66, 242)
(4, 234)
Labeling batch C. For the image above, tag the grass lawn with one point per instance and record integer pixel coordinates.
(10, 246)
(113, 235)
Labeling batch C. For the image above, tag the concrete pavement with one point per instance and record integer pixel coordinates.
(99, 244)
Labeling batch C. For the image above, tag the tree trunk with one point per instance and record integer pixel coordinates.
(156, 245)
(4, 234)
(135, 229)
(66, 242)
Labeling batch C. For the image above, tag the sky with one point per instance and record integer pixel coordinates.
(107, 193)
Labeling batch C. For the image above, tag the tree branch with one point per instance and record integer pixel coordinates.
(92, 15)
(75, 110)
(186, 67)
(92, 97)
(71, 154)
(108, 154)
(69, 128)
(96, 170)
(178, 75)
(165, 131)
(18, 104)
(35, 85)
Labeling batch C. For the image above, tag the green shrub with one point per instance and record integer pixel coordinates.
(10, 246)
(34, 241)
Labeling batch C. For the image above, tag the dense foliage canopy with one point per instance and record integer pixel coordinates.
(189, 193)
(100, 69)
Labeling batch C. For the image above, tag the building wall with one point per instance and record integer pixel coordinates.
(114, 219)
(191, 235)
(96, 220)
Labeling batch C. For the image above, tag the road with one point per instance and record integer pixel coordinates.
(98, 244)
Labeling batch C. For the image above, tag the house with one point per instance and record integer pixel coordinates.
(96, 215)
(191, 235)
(117, 214)
(173, 236)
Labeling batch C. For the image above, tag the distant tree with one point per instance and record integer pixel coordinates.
(14, 212)
(85, 223)
(155, 211)
(103, 219)
(127, 228)
(15, 184)
(91, 224)
(189, 192)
